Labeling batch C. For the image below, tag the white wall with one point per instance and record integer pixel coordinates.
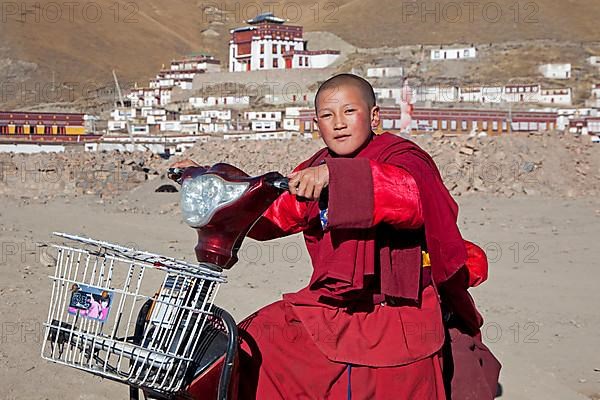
(442, 94)
(594, 60)
(556, 71)
(291, 124)
(259, 136)
(31, 148)
(114, 126)
(482, 94)
(170, 126)
(211, 101)
(321, 60)
(263, 126)
(389, 93)
(453, 54)
(381, 72)
(263, 115)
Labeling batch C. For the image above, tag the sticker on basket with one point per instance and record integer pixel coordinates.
(89, 302)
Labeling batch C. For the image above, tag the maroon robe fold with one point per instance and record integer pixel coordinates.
(355, 259)
(351, 208)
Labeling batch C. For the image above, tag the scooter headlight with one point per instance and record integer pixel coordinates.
(202, 196)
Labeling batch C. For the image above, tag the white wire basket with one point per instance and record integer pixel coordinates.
(128, 315)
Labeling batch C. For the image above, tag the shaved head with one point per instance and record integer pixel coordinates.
(337, 81)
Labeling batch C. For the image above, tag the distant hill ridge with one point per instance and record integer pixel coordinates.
(80, 44)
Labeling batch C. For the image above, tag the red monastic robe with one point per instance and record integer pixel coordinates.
(369, 324)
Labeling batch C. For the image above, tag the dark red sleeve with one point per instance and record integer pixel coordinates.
(285, 216)
(364, 193)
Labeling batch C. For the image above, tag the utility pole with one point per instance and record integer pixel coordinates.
(509, 117)
(118, 88)
(123, 106)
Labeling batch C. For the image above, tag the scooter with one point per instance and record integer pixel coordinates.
(174, 343)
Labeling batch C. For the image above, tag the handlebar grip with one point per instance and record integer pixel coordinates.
(282, 183)
(175, 174)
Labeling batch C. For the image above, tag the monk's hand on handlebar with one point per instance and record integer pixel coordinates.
(183, 164)
(310, 182)
(175, 171)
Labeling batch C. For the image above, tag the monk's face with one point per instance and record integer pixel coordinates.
(344, 118)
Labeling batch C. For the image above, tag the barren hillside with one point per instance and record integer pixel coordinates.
(69, 49)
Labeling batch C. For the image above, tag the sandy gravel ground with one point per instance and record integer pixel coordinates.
(540, 302)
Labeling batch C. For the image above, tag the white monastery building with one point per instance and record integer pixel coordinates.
(594, 60)
(453, 54)
(556, 71)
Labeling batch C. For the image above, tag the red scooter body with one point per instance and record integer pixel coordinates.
(218, 243)
(220, 239)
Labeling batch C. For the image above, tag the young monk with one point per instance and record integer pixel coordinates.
(381, 231)
(380, 228)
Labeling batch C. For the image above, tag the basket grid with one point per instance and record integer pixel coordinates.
(126, 315)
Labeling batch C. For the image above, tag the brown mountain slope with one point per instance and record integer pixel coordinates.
(77, 46)
(393, 23)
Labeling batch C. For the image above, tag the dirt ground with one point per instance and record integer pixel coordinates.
(540, 302)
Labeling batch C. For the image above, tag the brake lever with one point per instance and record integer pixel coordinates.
(175, 174)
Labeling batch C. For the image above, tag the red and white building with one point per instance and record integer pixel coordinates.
(450, 120)
(561, 96)
(522, 93)
(264, 121)
(181, 72)
(585, 125)
(267, 43)
(150, 96)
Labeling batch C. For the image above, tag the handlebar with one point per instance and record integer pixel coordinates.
(175, 174)
(282, 183)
